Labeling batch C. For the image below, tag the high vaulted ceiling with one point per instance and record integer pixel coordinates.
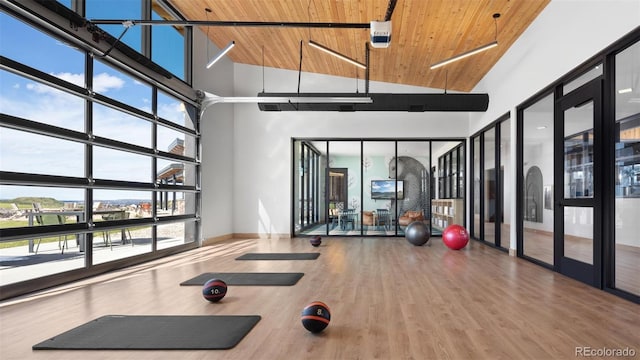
(423, 32)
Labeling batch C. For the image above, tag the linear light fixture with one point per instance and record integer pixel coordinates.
(213, 99)
(216, 58)
(474, 51)
(337, 54)
(624, 91)
(208, 99)
(465, 54)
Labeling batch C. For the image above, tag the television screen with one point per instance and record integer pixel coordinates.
(385, 189)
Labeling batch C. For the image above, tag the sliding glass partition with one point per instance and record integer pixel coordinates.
(412, 171)
(376, 187)
(344, 159)
(381, 188)
(308, 212)
(492, 179)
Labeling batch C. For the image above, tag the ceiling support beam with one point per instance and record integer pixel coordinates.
(232, 23)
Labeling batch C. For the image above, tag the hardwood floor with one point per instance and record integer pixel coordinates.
(388, 300)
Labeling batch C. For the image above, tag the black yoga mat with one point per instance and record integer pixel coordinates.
(119, 332)
(279, 256)
(259, 279)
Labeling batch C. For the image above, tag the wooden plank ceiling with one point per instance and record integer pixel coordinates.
(424, 32)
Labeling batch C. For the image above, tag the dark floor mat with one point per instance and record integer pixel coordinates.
(118, 332)
(257, 279)
(279, 256)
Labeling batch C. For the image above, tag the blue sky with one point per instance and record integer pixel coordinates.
(22, 97)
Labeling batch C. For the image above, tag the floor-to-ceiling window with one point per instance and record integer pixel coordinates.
(626, 254)
(99, 164)
(506, 184)
(537, 172)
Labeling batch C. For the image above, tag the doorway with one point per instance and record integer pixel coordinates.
(578, 149)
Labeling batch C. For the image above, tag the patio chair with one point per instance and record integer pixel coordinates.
(52, 219)
(119, 215)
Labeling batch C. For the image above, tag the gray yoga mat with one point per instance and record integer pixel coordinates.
(279, 256)
(248, 278)
(119, 332)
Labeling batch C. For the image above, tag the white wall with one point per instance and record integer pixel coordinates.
(565, 34)
(262, 140)
(217, 141)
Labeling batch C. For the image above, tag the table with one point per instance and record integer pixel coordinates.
(80, 218)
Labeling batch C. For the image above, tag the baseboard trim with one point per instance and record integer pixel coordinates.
(242, 236)
(260, 236)
(217, 239)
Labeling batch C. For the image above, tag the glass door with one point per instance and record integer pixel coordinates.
(578, 236)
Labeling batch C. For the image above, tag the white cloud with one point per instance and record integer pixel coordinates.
(104, 82)
(76, 79)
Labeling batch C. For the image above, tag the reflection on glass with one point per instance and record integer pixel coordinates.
(578, 233)
(537, 147)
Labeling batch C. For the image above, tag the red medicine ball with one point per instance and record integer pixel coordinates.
(316, 316)
(214, 290)
(455, 237)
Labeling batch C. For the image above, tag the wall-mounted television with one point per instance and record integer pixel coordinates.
(386, 189)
